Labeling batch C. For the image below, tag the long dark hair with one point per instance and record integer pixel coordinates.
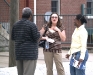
(81, 18)
(59, 24)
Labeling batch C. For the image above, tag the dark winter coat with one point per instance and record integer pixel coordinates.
(26, 35)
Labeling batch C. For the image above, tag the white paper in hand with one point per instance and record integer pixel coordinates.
(50, 40)
(75, 64)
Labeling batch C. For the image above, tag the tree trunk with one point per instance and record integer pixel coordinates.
(14, 16)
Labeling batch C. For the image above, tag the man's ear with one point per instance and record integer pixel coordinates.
(31, 18)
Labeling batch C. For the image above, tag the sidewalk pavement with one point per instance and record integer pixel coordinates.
(4, 57)
(41, 69)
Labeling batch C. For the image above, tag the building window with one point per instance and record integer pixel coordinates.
(90, 35)
(54, 5)
(88, 7)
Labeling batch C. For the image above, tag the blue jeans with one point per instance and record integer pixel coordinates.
(76, 71)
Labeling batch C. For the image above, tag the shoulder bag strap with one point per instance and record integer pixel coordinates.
(46, 29)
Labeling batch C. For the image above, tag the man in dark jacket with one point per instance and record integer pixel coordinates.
(26, 35)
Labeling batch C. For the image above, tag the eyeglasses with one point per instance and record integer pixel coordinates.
(54, 17)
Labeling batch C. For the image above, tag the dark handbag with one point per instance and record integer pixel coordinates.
(42, 42)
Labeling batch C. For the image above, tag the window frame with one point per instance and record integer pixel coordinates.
(90, 35)
(54, 8)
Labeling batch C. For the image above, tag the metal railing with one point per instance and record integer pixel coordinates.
(88, 11)
(67, 21)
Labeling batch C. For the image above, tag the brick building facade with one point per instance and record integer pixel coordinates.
(63, 7)
(66, 8)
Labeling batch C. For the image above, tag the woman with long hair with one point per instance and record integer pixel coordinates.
(55, 35)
